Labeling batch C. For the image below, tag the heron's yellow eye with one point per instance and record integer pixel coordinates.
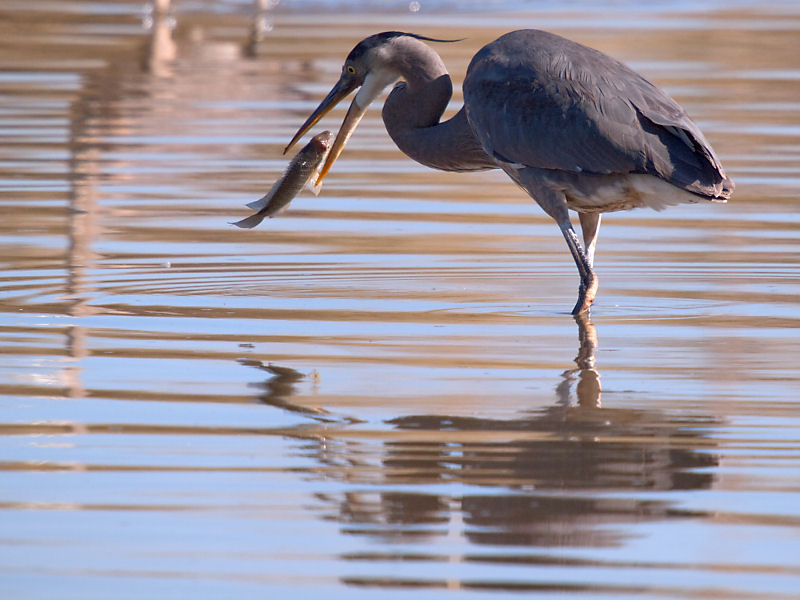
(351, 69)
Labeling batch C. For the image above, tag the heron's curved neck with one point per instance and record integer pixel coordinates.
(413, 110)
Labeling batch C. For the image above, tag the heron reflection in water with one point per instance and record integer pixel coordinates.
(573, 127)
(581, 382)
(563, 473)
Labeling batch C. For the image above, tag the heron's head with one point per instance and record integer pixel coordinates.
(371, 67)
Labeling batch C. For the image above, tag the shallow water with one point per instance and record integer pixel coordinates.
(381, 392)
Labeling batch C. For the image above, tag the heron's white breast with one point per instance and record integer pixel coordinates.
(623, 192)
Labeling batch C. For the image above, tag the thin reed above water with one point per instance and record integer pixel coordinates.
(381, 391)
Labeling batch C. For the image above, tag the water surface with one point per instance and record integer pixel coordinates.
(381, 392)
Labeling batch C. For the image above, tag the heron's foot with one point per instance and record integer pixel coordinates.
(586, 293)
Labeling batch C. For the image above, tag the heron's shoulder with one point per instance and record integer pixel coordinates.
(537, 54)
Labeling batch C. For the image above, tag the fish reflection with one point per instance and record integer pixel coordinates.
(278, 389)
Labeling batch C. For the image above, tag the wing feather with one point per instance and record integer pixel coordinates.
(540, 100)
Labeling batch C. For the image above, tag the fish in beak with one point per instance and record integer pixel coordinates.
(371, 86)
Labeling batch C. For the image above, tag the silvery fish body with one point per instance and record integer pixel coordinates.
(301, 170)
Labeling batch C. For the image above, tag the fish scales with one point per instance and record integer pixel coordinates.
(299, 172)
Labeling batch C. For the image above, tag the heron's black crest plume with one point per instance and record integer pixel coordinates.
(378, 39)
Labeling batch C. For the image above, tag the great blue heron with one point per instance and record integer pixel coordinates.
(573, 127)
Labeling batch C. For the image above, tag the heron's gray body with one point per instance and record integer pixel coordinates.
(580, 119)
(540, 100)
(573, 127)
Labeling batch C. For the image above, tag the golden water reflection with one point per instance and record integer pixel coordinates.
(531, 467)
(378, 390)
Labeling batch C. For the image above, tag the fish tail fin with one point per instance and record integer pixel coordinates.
(249, 222)
(260, 203)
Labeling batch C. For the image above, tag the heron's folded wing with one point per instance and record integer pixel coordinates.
(549, 103)
(551, 125)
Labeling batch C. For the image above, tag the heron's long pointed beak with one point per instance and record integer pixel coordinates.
(351, 120)
(371, 86)
(342, 88)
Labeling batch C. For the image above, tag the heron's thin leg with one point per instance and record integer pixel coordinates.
(590, 226)
(589, 283)
(554, 204)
